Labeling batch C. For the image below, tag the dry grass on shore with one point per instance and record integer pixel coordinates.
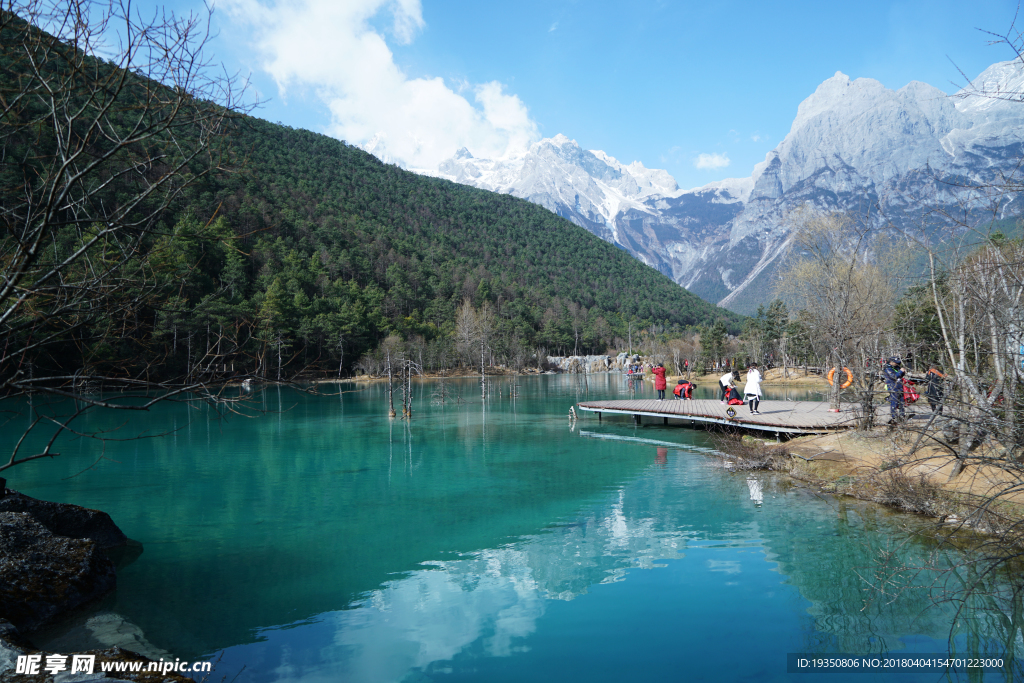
(892, 468)
(775, 376)
(793, 376)
(749, 454)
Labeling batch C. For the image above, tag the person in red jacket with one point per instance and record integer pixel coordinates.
(683, 390)
(659, 380)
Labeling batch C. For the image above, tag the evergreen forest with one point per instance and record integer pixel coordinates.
(331, 251)
(280, 253)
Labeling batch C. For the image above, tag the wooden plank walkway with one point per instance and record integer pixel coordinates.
(788, 417)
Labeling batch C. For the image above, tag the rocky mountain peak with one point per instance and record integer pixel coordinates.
(854, 146)
(998, 90)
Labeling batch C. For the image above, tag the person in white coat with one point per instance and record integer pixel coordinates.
(725, 381)
(752, 391)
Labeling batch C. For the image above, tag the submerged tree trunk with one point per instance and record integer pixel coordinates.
(408, 390)
(483, 377)
(391, 388)
(405, 396)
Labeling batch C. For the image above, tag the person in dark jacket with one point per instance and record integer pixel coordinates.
(659, 380)
(936, 389)
(893, 375)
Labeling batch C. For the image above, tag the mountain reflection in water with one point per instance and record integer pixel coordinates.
(495, 542)
(715, 564)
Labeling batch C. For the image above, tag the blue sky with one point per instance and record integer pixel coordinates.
(651, 80)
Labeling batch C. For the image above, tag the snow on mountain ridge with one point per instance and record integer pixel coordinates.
(735, 189)
(377, 146)
(861, 124)
(560, 175)
(859, 147)
(854, 146)
(1003, 81)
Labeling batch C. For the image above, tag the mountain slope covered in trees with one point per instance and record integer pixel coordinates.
(336, 250)
(273, 251)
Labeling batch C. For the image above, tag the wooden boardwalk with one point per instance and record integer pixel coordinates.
(786, 417)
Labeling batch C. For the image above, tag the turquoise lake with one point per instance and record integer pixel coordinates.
(495, 541)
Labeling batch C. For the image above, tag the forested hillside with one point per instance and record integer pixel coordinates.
(274, 251)
(336, 250)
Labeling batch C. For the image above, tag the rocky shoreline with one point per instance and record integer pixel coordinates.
(55, 559)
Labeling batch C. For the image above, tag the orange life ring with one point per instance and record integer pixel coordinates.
(849, 377)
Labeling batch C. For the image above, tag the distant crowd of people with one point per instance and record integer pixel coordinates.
(900, 389)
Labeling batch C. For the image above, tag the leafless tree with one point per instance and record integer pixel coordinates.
(843, 283)
(473, 330)
(974, 289)
(979, 306)
(106, 116)
(466, 329)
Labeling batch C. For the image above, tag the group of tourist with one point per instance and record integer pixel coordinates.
(895, 381)
(751, 391)
(684, 389)
(892, 373)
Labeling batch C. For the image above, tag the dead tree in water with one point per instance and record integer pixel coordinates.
(441, 393)
(408, 368)
(391, 386)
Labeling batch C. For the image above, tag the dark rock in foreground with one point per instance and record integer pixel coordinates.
(43, 575)
(69, 521)
(54, 558)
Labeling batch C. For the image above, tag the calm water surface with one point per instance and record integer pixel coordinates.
(489, 541)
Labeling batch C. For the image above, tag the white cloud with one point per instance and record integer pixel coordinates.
(408, 19)
(711, 161)
(755, 137)
(554, 26)
(330, 47)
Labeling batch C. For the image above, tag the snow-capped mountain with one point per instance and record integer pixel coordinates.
(588, 187)
(640, 209)
(378, 147)
(854, 146)
(885, 156)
